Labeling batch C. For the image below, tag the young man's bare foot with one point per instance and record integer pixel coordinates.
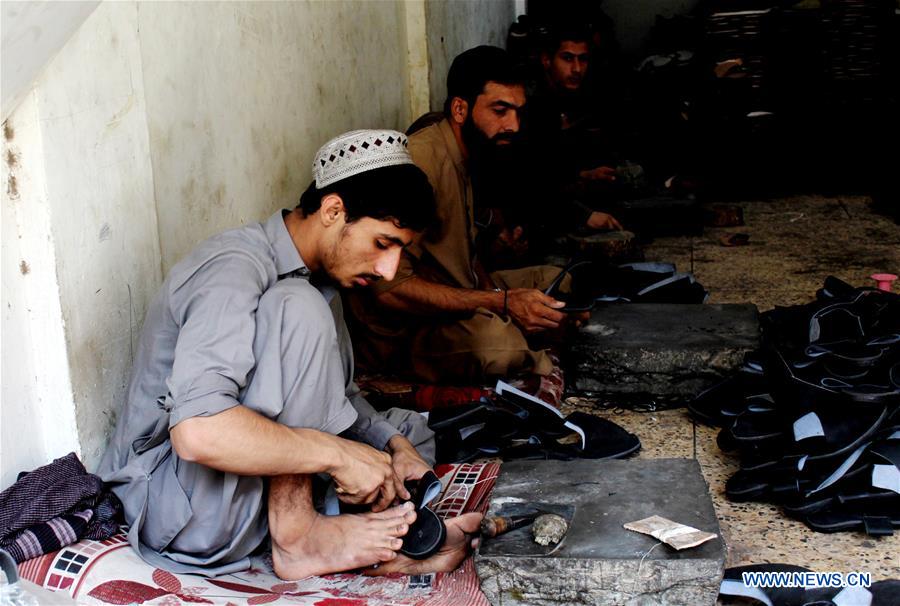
(336, 543)
(454, 551)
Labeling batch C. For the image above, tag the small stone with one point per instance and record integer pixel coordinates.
(549, 528)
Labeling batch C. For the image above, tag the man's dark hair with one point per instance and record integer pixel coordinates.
(565, 33)
(474, 68)
(399, 193)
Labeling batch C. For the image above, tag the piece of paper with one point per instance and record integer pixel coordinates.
(671, 533)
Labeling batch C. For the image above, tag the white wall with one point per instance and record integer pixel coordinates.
(240, 96)
(100, 191)
(455, 26)
(37, 415)
(155, 126)
(417, 59)
(32, 32)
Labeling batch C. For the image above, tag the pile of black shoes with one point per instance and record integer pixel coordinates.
(814, 414)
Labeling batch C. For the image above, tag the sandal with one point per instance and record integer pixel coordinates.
(634, 282)
(603, 440)
(428, 533)
(720, 403)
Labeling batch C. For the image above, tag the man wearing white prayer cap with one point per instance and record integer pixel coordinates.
(242, 388)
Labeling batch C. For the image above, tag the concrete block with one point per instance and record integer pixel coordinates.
(598, 561)
(659, 349)
(614, 247)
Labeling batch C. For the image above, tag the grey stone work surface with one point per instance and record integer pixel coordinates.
(661, 349)
(598, 561)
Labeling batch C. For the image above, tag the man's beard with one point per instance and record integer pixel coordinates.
(485, 151)
(573, 83)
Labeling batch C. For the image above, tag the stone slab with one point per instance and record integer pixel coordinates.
(614, 247)
(598, 561)
(661, 350)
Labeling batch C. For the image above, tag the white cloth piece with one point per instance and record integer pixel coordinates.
(886, 477)
(808, 426)
(737, 588)
(853, 596)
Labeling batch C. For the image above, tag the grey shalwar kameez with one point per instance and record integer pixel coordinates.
(236, 322)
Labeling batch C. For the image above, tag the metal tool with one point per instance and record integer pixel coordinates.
(496, 525)
(515, 536)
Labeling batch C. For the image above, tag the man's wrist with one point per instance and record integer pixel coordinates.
(334, 453)
(500, 304)
(398, 442)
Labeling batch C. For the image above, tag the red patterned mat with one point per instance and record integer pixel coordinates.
(110, 572)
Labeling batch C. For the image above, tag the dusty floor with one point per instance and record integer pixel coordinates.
(794, 244)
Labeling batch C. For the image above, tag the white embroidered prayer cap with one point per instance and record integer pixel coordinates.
(357, 152)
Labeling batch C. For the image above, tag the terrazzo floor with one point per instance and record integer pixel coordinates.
(794, 244)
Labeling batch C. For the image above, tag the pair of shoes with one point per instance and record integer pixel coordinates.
(515, 425)
(603, 439)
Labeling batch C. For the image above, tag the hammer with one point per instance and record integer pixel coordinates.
(497, 525)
